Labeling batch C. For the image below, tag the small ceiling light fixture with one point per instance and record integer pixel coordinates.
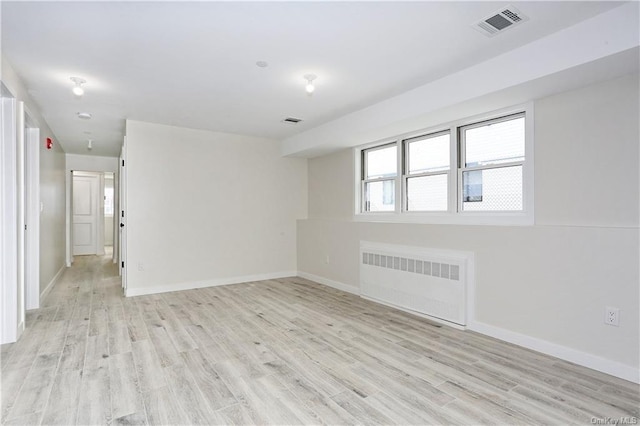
(310, 88)
(90, 145)
(262, 64)
(78, 90)
(84, 115)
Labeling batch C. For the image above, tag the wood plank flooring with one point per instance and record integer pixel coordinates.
(276, 352)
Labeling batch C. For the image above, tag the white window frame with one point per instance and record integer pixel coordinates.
(363, 177)
(454, 214)
(462, 167)
(406, 176)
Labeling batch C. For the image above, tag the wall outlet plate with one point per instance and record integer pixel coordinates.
(612, 316)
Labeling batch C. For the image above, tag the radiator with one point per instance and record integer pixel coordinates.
(427, 281)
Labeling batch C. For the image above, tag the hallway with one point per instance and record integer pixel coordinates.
(42, 374)
(276, 352)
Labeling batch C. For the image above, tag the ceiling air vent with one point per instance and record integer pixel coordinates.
(499, 21)
(292, 120)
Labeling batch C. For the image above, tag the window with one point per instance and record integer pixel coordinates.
(379, 178)
(469, 169)
(492, 158)
(427, 169)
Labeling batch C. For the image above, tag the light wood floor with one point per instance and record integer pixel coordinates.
(276, 352)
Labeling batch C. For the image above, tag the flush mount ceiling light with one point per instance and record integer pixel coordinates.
(84, 115)
(310, 88)
(78, 90)
(90, 144)
(262, 64)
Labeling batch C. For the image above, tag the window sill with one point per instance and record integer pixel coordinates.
(469, 218)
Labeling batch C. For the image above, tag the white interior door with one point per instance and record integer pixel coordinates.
(85, 214)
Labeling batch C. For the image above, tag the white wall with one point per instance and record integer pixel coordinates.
(547, 285)
(91, 163)
(207, 208)
(52, 186)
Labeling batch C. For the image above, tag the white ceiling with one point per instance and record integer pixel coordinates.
(192, 64)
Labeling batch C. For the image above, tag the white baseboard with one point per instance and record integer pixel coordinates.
(53, 282)
(325, 281)
(21, 328)
(575, 356)
(141, 291)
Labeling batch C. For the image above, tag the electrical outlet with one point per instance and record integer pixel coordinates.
(326, 259)
(612, 316)
(140, 266)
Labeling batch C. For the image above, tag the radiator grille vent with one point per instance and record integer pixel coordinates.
(428, 281)
(499, 21)
(417, 266)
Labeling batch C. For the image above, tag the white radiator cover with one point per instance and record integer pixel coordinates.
(424, 280)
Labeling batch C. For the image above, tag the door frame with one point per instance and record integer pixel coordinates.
(69, 216)
(9, 331)
(122, 218)
(89, 164)
(32, 213)
(21, 234)
(114, 217)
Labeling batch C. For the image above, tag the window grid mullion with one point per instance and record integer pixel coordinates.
(493, 166)
(405, 161)
(363, 161)
(462, 160)
(439, 172)
(400, 190)
(453, 170)
(379, 179)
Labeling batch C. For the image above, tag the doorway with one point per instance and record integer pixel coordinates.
(109, 213)
(87, 213)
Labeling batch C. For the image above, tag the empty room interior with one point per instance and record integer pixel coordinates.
(340, 212)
